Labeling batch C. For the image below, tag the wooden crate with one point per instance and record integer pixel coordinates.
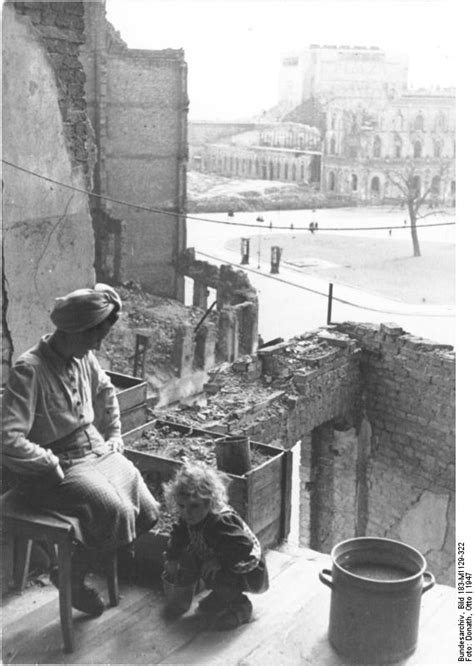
(131, 395)
(262, 496)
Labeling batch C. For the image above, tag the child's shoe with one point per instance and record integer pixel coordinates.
(237, 613)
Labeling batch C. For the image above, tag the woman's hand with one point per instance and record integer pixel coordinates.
(116, 445)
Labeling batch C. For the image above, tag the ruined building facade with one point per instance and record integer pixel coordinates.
(369, 129)
(137, 102)
(374, 125)
(288, 152)
(367, 149)
(82, 112)
(48, 243)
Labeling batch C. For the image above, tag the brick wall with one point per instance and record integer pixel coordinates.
(409, 386)
(145, 162)
(326, 387)
(333, 501)
(138, 102)
(61, 28)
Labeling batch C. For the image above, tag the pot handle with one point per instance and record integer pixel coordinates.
(322, 577)
(427, 585)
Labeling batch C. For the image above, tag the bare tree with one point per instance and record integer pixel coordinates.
(407, 181)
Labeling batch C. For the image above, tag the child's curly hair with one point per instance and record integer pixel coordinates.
(197, 481)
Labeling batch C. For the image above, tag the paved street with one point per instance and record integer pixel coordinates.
(288, 305)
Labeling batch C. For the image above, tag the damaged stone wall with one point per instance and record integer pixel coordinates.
(409, 388)
(236, 304)
(48, 245)
(386, 468)
(138, 104)
(319, 375)
(333, 499)
(60, 26)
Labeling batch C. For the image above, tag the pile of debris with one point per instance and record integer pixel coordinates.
(176, 446)
(232, 397)
(155, 317)
(257, 387)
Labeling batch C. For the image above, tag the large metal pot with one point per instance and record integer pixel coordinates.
(375, 601)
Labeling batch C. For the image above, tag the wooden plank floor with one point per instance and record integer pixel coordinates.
(289, 626)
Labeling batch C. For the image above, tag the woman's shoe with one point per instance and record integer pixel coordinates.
(84, 597)
(88, 600)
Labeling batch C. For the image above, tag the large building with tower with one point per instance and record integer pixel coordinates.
(355, 73)
(346, 122)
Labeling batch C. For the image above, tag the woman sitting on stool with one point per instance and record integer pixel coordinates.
(62, 437)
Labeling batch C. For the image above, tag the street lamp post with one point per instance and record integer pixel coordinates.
(259, 219)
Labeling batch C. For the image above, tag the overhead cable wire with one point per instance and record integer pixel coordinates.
(320, 293)
(197, 218)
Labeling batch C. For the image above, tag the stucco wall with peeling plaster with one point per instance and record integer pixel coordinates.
(48, 236)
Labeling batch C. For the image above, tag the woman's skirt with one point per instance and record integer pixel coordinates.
(105, 492)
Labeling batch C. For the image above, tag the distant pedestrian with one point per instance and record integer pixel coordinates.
(316, 225)
(311, 227)
(292, 226)
(389, 232)
(404, 222)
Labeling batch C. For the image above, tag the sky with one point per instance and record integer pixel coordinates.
(233, 47)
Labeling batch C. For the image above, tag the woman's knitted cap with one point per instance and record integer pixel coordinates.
(85, 308)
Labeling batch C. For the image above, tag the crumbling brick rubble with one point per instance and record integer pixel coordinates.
(61, 28)
(159, 318)
(265, 395)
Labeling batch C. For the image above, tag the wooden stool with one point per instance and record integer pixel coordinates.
(26, 524)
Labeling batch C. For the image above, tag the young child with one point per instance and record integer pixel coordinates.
(226, 554)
